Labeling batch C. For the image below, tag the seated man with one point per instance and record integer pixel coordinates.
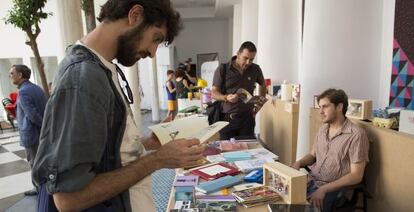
(339, 154)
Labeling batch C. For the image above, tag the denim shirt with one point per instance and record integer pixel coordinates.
(31, 103)
(82, 128)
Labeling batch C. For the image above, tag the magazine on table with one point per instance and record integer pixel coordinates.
(195, 126)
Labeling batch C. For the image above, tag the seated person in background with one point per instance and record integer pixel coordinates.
(339, 154)
(182, 84)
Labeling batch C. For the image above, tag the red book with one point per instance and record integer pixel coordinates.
(215, 171)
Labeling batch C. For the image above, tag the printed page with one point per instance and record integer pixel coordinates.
(195, 126)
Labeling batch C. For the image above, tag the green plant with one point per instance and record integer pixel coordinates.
(27, 15)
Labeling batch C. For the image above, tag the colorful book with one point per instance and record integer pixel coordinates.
(215, 198)
(184, 193)
(218, 206)
(256, 196)
(215, 171)
(250, 165)
(190, 180)
(215, 185)
(237, 156)
(227, 146)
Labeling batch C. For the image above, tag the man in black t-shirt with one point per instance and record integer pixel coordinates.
(240, 72)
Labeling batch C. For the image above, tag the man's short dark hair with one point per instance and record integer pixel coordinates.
(156, 13)
(249, 46)
(170, 72)
(24, 70)
(335, 96)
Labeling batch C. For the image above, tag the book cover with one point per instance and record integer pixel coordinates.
(247, 98)
(227, 146)
(195, 126)
(256, 196)
(219, 206)
(184, 193)
(250, 165)
(236, 156)
(215, 171)
(217, 184)
(207, 198)
(190, 180)
(280, 207)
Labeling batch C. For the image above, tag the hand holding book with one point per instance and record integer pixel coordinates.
(180, 153)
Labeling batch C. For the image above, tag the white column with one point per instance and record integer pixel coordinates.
(249, 21)
(341, 49)
(132, 75)
(154, 85)
(70, 23)
(279, 39)
(237, 27)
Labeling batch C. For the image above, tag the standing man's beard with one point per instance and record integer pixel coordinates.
(127, 54)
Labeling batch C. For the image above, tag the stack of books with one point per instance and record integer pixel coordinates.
(256, 196)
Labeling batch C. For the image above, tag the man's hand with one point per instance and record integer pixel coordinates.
(316, 199)
(296, 165)
(180, 153)
(233, 98)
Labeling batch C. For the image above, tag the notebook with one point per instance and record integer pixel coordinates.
(215, 185)
(215, 171)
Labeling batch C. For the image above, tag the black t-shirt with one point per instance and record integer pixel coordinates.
(235, 80)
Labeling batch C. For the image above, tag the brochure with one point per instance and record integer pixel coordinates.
(195, 126)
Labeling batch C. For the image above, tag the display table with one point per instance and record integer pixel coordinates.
(262, 208)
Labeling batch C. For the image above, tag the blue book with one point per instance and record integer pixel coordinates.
(218, 184)
(236, 156)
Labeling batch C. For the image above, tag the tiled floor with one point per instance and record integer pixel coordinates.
(15, 171)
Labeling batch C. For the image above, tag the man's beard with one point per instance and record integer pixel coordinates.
(127, 44)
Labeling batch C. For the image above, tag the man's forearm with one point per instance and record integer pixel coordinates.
(218, 96)
(107, 185)
(307, 160)
(346, 180)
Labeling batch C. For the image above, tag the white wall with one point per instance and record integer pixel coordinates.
(342, 49)
(279, 39)
(388, 10)
(249, 21)
(237, 27)
(202, 36)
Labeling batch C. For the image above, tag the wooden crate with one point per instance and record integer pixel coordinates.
(288, 182)
(359, 109)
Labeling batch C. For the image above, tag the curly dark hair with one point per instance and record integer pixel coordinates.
(156, 13)
(335, 96)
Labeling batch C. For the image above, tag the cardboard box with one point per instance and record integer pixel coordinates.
(288, 182)
(407, 121)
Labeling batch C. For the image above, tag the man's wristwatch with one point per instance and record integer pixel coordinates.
(225, 98)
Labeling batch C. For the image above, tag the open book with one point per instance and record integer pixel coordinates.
(195, 126)
(247, 98)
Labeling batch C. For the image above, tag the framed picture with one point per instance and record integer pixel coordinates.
(288, 182)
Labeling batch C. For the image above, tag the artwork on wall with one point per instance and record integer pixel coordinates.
(402, 75)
